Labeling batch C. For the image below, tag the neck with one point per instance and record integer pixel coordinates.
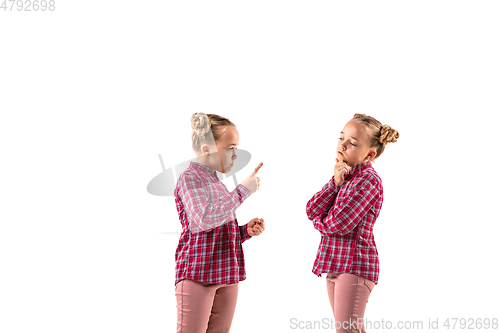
(360, 163)
(203, 160)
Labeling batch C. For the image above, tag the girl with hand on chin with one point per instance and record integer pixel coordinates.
(209, 258)
(344, 212)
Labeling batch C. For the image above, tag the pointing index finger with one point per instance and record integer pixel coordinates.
(258, 167)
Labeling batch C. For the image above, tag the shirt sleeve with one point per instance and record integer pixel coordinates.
(202, 214)
(322, 201)
(346, 215)
(244, 233)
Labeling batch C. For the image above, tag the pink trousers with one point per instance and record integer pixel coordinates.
(204, 307)
(348, 295)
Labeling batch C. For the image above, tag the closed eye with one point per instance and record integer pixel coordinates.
(349, 142)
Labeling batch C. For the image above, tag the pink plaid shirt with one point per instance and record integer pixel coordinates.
(209, 247)
(345, 217)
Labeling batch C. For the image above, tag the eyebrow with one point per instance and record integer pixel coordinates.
(351, 136)
(233, 144)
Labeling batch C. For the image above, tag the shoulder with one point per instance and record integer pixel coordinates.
(189, 179)
(191, 175)
(368, 179)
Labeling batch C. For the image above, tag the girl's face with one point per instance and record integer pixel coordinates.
(354, 144)
(221, 157)
(227, 149)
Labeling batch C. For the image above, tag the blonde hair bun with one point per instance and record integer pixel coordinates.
(200, 123)
(388, 134)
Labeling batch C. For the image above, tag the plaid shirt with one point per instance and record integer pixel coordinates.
(209, 247)
(345, 216)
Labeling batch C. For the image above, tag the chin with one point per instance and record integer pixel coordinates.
(226, 170)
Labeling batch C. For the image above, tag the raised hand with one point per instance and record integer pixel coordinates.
(256, 226)
(252, 182)
(341, 169)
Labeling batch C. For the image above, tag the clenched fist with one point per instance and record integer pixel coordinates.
(256, 226)
(341, 169)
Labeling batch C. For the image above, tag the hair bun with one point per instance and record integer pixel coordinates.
(388, 134)
(200, 123)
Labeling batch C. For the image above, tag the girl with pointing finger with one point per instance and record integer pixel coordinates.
(344, 212)
(209, 257)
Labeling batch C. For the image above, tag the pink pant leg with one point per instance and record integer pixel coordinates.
(223, 308)
(204, 307)
(194, 303)
(348, 294)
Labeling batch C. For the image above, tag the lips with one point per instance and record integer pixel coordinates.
(339, 153)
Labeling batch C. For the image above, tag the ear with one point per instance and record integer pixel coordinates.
(371, 154)
(205, 150)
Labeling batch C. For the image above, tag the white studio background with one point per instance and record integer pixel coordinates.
(93, 91)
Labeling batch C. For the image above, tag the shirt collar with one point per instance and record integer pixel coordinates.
(203, 168)
(360, 167)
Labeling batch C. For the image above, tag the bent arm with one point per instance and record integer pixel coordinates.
(350, 210)
(204, 215)
(322, 201)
